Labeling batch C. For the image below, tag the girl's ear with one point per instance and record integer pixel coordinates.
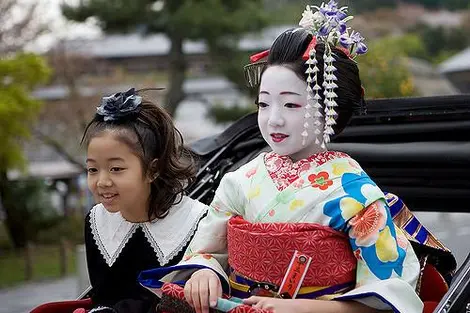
(152, 173)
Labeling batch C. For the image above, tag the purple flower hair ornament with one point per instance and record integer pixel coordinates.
(327, 24)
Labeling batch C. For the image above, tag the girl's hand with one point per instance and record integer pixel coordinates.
(202, 290)
(277, 305)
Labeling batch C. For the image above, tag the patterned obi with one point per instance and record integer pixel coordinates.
(260, 254)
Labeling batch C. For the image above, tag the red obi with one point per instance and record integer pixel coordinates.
(263, 252)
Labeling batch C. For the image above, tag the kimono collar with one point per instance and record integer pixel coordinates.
(284, 171)
(167, 236)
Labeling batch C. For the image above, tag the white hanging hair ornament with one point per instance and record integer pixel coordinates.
(312, 94)
(328, 26)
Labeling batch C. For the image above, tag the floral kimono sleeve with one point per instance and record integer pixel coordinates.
(208, 248)
(387, 267)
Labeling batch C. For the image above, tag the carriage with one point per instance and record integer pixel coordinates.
(416, 149)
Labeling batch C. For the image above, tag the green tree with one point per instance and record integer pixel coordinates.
(441, 42)
(19, 74)
(217, 22)
(384, 71)
(230, 64)
(408, 45)
(33, 208)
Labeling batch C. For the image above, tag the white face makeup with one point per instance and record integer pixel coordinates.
(281, 114)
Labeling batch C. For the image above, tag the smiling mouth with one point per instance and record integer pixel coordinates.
(278, 137)
(108, 197)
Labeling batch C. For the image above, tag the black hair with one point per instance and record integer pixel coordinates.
(151, 134)
(288, 49)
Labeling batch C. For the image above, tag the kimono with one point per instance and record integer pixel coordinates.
(263, 210)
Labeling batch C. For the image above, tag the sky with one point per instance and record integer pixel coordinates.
(59, 26)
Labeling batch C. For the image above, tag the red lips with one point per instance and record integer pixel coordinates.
(278, 137)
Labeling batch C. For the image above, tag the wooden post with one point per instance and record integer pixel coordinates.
(63, 257)
(28, 258)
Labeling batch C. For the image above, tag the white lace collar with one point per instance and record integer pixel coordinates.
(167, 236)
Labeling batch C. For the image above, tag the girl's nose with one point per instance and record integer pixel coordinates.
(275, 118)
(104, 181)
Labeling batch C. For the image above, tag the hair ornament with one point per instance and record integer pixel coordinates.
(119, 105)
(327, 24)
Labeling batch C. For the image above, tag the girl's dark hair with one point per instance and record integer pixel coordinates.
(153, 137)
(288, 49)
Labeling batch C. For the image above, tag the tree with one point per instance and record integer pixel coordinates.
(384, 71)
(19, 74)
(441, 42)
(62, 122)
(19, 24)
(230, 64)
(216, 22)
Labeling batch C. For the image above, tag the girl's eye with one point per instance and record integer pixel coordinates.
(262, 104)
(91, 170)
(116, 169)
(292, 105)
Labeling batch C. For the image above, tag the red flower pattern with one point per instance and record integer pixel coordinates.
(284, 172)
(367, 224)
(173, 290)
(321, 180)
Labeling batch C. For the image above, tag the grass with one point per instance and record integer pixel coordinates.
(45, 257)
(45, 260)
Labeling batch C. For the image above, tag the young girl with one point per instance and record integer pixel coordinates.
(137, 171)
(301, 225)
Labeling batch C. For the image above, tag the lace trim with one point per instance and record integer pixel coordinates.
(163, 260)
(96, 236)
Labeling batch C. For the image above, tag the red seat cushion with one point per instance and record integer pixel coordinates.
(63, 306)
(429, 306)
(433, 285)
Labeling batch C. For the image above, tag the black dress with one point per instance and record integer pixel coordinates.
(117, 251)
